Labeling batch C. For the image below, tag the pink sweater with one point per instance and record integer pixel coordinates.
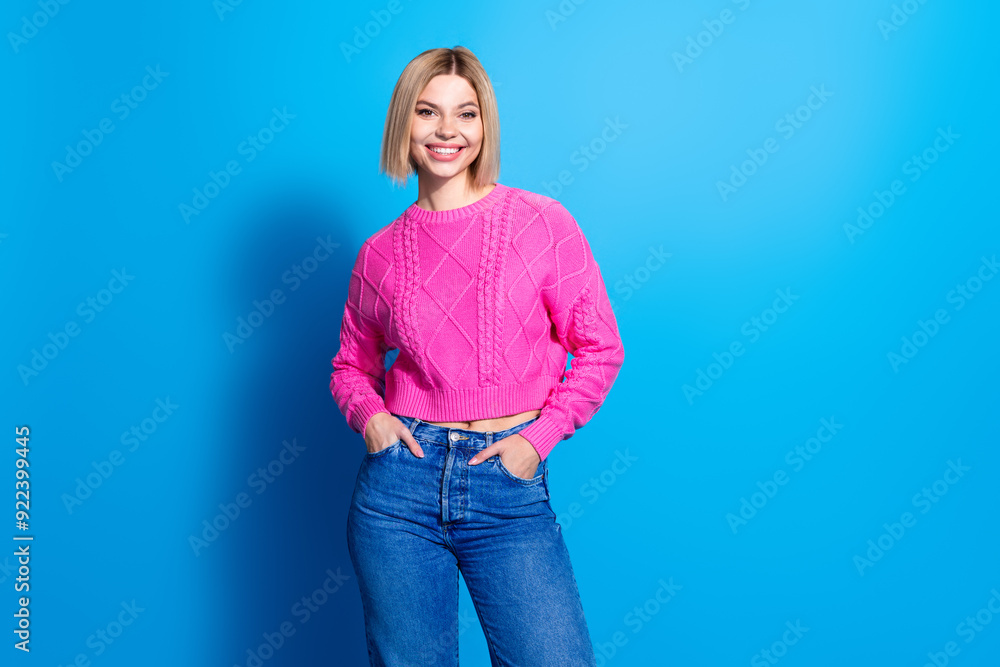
(483, 302)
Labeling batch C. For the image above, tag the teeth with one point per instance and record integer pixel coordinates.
(445, 151)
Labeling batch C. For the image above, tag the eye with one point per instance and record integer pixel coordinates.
(421, 111)
(470, 114)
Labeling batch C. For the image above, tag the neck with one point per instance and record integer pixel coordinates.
(444, 194)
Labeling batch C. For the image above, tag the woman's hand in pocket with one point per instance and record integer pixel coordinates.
(384, 430)
(521, 457)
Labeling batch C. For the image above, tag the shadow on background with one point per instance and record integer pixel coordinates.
(276, 564)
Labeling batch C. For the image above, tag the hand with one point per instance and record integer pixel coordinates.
(384, 429)
(522, 458)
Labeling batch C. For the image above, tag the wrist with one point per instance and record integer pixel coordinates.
(543, 434)
(368, 420)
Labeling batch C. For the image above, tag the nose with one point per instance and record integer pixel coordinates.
(446, 127)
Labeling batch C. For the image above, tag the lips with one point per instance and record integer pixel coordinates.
(444, 152)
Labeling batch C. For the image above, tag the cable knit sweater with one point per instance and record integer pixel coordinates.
(483, 303)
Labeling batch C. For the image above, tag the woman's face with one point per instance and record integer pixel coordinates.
(446, 134)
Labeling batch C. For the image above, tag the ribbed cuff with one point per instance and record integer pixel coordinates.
(543, 434)
(364, 411)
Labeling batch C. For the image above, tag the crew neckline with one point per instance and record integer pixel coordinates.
(419, 214)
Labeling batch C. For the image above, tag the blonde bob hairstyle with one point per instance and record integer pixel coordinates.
(396, 161)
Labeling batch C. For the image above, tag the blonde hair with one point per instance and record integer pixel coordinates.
(396, 161)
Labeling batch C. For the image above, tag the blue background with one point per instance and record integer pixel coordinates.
(560, 78)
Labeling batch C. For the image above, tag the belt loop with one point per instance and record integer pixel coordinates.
(409, 422)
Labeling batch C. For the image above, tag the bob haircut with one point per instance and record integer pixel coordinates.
(396, 161)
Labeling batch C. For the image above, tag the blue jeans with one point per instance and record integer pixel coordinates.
(414, 523)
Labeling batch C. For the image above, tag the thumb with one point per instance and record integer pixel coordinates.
(484, 454)
(411, 442)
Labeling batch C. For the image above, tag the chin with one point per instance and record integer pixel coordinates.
(451, 169)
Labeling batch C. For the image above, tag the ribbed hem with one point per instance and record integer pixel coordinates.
(418, 214)
(543, 434)
(364, 411)
(449, 405)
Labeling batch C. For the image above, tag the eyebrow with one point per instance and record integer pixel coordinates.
(463, 104)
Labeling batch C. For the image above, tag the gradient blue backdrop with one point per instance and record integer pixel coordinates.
(647, 188)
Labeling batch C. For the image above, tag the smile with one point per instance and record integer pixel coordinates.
(445, 154)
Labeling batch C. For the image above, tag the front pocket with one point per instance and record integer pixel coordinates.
(381, 452)
(539, 472)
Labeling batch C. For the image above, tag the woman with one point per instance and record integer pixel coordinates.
(484, 289)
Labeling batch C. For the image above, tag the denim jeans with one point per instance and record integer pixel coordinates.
(415, 523)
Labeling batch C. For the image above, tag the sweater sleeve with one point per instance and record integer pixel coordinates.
(578, 305)
(358, 379)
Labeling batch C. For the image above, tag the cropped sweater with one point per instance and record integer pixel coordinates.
(484, 303)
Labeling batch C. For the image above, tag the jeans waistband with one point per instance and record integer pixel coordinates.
(457, 437)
